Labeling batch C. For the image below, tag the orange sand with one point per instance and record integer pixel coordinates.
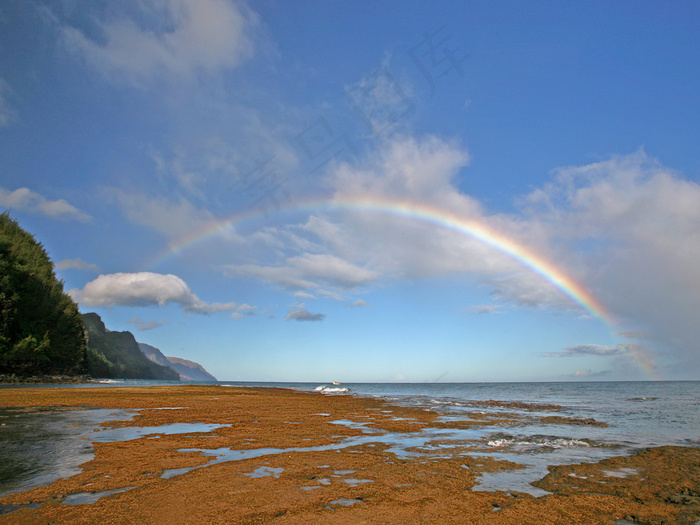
(655, 486)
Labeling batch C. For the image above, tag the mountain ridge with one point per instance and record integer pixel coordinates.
(186, 369)
(117, 355)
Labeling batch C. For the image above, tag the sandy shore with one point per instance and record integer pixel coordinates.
(364, 482)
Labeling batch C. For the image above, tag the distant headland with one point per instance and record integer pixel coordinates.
(45, 339)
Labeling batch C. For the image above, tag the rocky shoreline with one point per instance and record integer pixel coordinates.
(280, 456)
(13, 379)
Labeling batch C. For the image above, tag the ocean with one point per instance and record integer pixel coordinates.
(637, 414)
(39, 446)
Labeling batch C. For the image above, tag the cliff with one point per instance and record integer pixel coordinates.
(187, 370)
(117, 354)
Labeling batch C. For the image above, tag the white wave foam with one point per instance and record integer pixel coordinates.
(330, 389)
(553, 443)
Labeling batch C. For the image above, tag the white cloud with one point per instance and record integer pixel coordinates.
(173, 219)
(244, 310)
(622, 349)
(635, 227)
(483, 309)
(76, 264)
(589, 374)
(331, 269)
(284, 276)
(329, 295)
(525, 288)
(381, 100)
(304, 295)
(627, 230)
(245, 306)
(167, 38)
(420, 170)
(240, 152)
(362, 246)
(411, 173)
(359, 303)
(24, 199)
(145, 289)
(300, 313)
(299, 271)
(635, 334)
(241, 315)
(639, 353)
(143, 326)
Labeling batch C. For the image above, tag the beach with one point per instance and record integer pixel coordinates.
(219, 454)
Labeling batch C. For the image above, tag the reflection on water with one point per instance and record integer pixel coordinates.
(88, 498)
(40, 446)
(345, 502)
(512, 480)
(37, 447)
(263, 472)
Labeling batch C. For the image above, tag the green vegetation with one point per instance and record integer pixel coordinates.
(41, 332)
(117, 354)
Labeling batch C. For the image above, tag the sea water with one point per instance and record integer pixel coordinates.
(637, 414)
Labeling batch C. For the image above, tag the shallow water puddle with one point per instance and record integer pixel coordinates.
(88, 498)
(621, 473)
(42, 446)
(129, 433)
(357, 426)
(345, 502)
(264, 472)
(517, 480)
(356, 482)
(399, 445)
(6, 509)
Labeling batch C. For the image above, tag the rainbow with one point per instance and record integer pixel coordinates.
(440, 218)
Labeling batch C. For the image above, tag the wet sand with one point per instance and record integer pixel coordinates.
(254, 477)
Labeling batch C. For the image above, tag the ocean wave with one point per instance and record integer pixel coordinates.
(325, 389)
(496, 405)
(443, 402)
(538, 441)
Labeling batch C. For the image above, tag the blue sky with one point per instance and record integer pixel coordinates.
(569, 129)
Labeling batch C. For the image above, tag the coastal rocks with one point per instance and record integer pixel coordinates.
(40, 379)
(663, 476)
(302, 462)
(683, 499)
(559, 420)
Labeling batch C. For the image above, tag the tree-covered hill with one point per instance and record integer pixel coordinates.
(43, 334)
(41, 331)
(117, 354)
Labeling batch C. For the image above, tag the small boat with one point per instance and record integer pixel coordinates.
(336, 383)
